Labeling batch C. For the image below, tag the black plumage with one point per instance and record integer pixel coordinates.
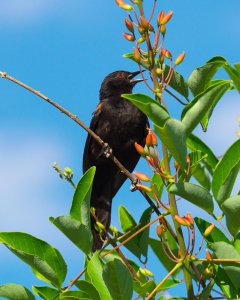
(120, 124)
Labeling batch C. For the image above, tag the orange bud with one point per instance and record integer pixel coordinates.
(166, 53)
(143, 188)
(123, 5)
(144, 22)
(119, 2)
(160, 17)
(182, 220)
(140, 29)
(207, 273)
(159, 230)
(139, 149)
(208, 230)
(129, 25)
(154, 138)
(150, 160)
(141, 176)
(166, 18)
(180, 58)
(136, 55)
(176, 165)
(129, 37)
(149, 139)
(190, 219)
(208, 255)
(163, 29)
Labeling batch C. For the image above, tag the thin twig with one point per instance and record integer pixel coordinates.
(174, 96)
(92, 133)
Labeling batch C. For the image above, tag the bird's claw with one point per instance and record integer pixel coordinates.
(107, 151)
(133, 186)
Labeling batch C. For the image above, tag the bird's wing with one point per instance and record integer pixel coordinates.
(87, 163)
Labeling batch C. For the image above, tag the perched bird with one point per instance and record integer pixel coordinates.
(119, 124)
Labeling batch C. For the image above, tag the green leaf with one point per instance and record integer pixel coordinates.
(231, 208)
(207, 290)
(74, 295)
(46, 292)
(225, 284)
(78, 233)
(194, 143)
(144, 235)
(173, 136)
(143, 288)
(158, 184)
(150, 107)
(194, 194)
(159, 252)
(202, 104)
(88, 289)
(226, 172)
(81, 200)
(46, 261)
(14, 291)
(234, 75)
(118, 280)
(126, 220)
(226, 251)
(215, 236)
(177, 82)
(201, 76)
(201, 173)
(95, 274)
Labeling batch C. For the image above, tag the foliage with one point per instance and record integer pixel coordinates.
(188, 169)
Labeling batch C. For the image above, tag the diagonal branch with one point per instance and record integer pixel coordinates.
(92, 133)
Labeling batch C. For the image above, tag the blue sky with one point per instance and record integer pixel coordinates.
(64, 49)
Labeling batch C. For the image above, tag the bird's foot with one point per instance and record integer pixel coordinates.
(133, 186)
(107, 151)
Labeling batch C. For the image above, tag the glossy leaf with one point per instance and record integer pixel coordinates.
(81, 199)
(225, 173)
(225, 284)
(143, 288)
(150, 107)
(202, 173)
(194, 143)
(194, 194)
(215, 236)
(126, 220)
(77, 232)
(14, 291)
(234, 75)
(177, 82)
(46, 292)
(201, 76)
(95, 274)
(226, 251)
(194, 112)
(157, 182)
(76, 295)
(46, 261)
(173, 135)
(144, 235)
(88, 289)
(231, 208)
(118, 279)
(207, 290)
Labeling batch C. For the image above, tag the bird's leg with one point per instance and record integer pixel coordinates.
(133, 186)
(107, 151)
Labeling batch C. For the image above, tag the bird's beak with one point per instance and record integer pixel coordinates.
(132, 75)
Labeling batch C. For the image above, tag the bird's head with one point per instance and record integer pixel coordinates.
(117, 83)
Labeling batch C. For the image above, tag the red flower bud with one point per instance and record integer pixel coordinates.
(180, 58)
(166, 18)
(149, 139)
(144, 23)
(182, 220)
(190, 219)
(160, 17)
(208, 255)
(154, 138)
(166, 53)
(140, 149)
(129, 37)
(141, 176)
(143, 188)
(129, 25)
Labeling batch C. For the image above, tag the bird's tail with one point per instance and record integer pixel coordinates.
(102, 207)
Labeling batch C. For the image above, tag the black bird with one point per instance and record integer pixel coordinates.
(119, 124)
